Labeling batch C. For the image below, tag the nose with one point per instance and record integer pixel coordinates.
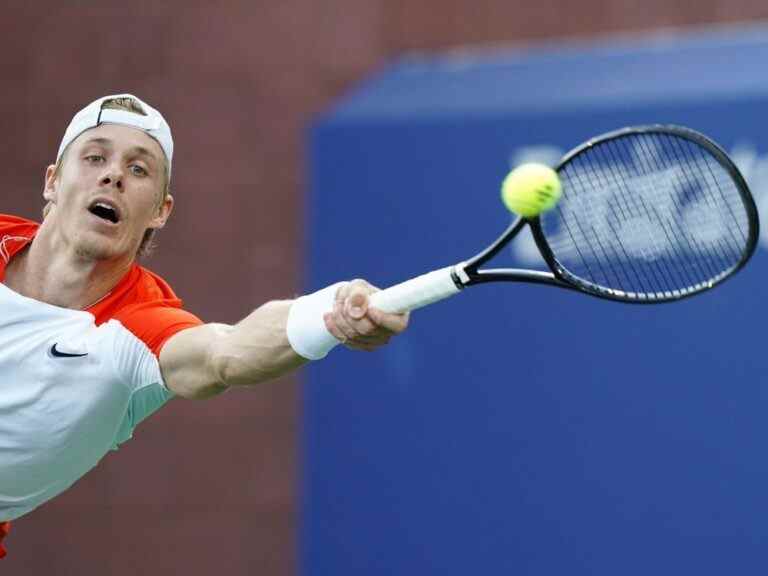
(113, 178)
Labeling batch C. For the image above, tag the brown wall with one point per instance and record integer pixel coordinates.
(208, 487)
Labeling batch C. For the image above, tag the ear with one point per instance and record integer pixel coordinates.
(163, 213)
(49, 186)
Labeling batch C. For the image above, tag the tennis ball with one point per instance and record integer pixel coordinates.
(531, 189)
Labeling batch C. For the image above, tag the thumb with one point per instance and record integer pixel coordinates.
(357, 304)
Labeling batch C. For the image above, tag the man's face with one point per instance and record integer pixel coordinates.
(108, 192)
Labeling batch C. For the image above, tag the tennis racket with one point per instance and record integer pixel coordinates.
(648, 214)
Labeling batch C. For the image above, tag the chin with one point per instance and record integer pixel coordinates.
(100, 249)
(91, 252)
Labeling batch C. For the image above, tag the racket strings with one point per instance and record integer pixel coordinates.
(621, 275)
(676, 275)
(600, 272)
(717, 184)
(731, 243)
(649, 215)
(705, 268)
(630, 208)
(673, 234)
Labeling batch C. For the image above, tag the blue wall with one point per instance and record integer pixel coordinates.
(525, 429)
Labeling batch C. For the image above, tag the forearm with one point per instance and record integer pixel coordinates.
(256, 348)
(206, 360)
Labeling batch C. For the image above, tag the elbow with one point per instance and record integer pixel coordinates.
(222, 360)
(211, 380)
(192, 363)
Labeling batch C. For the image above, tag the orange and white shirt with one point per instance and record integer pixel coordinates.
(75, 383)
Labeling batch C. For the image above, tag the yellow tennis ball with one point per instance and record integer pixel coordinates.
(531, 189)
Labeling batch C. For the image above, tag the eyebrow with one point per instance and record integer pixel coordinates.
(108, 142)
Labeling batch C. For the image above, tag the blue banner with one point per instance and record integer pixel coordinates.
(523, 429)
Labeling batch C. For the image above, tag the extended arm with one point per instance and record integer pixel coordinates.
(204, 361)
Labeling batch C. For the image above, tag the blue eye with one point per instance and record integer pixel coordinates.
(138, 170)
(95, 158)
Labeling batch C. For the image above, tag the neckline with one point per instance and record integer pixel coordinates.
(34, 302)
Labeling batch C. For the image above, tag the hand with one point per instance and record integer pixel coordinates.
(358, 326)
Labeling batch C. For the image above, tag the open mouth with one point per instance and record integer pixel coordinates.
(105, 211)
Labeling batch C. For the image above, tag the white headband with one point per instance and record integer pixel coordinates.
(92, 115)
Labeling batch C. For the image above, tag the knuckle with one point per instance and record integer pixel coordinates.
(342, 291)
(363, 286)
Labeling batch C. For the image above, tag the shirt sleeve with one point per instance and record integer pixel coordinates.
(154, 323)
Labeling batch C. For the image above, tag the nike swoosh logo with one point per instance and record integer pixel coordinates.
(56, 354)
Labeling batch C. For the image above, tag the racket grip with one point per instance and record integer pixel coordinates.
(416, 292)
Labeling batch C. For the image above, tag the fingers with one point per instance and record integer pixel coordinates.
(395, 323)
(356, 325)
(330, 324)
(350, 336)
(349, 322)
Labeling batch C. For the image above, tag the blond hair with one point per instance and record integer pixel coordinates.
(127, 105)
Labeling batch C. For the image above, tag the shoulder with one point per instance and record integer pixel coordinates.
(145, 305)
(15, 233)
(14, 225)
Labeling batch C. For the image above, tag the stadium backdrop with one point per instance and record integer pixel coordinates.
(525, 430)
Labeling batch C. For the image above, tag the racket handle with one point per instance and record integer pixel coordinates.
(416, 292)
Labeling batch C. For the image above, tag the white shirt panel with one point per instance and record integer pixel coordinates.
(59, 415)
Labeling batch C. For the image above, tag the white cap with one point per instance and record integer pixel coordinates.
(92, 115)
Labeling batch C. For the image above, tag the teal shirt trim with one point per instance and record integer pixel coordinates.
(144, 402)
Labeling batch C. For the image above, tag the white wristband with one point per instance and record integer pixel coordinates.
(306, 329)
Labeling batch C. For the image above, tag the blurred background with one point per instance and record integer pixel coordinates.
(256, 93)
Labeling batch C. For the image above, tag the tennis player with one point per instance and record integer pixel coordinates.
(91, 343)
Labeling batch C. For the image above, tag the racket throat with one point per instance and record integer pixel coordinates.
(460, 276)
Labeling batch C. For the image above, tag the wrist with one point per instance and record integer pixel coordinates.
(306, 329)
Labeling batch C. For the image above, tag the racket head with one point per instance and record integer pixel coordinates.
(648, 214)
